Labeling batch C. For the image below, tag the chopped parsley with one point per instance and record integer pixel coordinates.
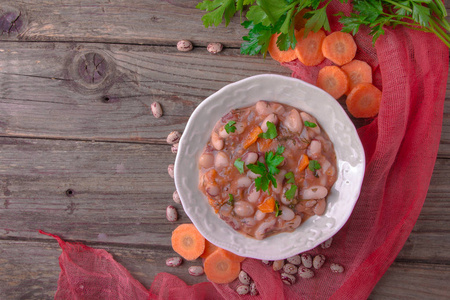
(278, 212)
(230, 199)
(271, 132)
(314, 166)
(239, 164)
(268, 170)
(310, 124)
(229, 127)
(291, 192)
(290, 177)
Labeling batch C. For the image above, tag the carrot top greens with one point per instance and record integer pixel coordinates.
(267, 17)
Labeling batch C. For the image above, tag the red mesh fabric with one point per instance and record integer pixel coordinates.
(401, 145)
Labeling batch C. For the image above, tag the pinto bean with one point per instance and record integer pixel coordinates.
(312, 131)
(259, 215)
(253, 194)
(287, 213)
(243, 182)
(217, 141)
(272, 118)
(244, 278)
(221, 160)
(223, 133)
(284, 200)
(278, 265)
(264, 227)
(263, 108)
(252, 175)
(212, 189)
(307, 260)
(293, 121)
(294, 223)
(314, 192)
(250, 158)
(240, 127)
(206, 160)
(320, 207)
(243, 209)
(314, 149)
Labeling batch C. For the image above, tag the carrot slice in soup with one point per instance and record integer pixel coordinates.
(358, 71)
(364, 101)
(277, 54)
(339, 47)
(304, 162)
(252, 136)
(309, 49)
(333, 81)
(232, 256)
(264, 144)
(209, 249)
(220, 269)
(187, 241)
(268, 205)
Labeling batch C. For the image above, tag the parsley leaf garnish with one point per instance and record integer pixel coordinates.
(273, 160)
(268, 170)
(290, 177)
(239, 164)
(271, 132)
(291, 192)
(231, 199)
(278, 212)
(229, 127)
(310, 124)
(314, 166)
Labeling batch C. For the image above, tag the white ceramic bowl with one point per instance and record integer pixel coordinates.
(330, 115)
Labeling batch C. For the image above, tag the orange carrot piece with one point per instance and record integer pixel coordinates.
(251, 138)
(339, 47)
(277, 54)
(309, 49)
(268, 205)
(209, 249)
(357, 71)
(333, 81)
(264, 144)
(232, 256)
(304, 162)
(299, 21)
(211, 176)
(188, 242)
(364, 101)
(220, 269)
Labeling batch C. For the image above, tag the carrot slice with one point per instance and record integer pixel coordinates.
(268, 205)
(187, 241)
(309, 49)
(220, 269)
(304, 162)
(211, 176)
(299, 21)
(252, 136)
(277, 54)
(357, 71)
(333, 81)
(364, 101)
(209, 249)
(339, 47)
(232, 256)
(264, 144)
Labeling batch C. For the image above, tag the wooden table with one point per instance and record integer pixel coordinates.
(83, 157)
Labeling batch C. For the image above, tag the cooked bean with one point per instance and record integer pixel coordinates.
(221, 160)
(250, 221)
(243, 209)
(314, 149)
(225, 210)
(278, 264)
(223, 133)
(212, 189)
(310, 203)
(314, 192)
(293, 121)
(312, 131)
(250, 158)
(243, 182)
(306, 260)
(279, 179)
(286, 188)
(206, 160)
(216, 141)
(252, 175)
(294, 223)
(319, 209)
(287, 213)
(263, 108)
(259, 215)
(264, 227)
(272, 118)
(253, 194)
(239, 128)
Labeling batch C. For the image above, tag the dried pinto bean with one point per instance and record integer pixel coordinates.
(184, 46)
(336, 268)
(327, 243)
(288, 279)
(196, 270)
(318, 261)
(290, 269)
(171, 213)
(253, 289)
(156, 109)
(174, 261)
(242, 289)
(305, 273)
(307, 260)
(171, 170)
(295, 260)
(176, 197)
(278, 264)
(244, 278)
(173, 137)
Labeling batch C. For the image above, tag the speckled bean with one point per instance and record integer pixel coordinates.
(305, 273)
(174, 148)
(171, 213)
(288, 279)
(196, 270)
(306, 260)
(221, 160)
(174, 261)
(278, 264)
(290, 269)
(184, 46)
(176, 197)
(253, 289)
(173, 137)
(243, 209)
(318, 261)
(293, 121)
(214, 48)
(336, 268)
(314, 192)
(295, 260)
(327, 243)
(244, 278)
(206, 160)
(242, 289)
(171, 170)
(156, 109)
(320, 207)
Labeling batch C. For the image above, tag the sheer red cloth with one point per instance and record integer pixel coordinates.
(401, 146)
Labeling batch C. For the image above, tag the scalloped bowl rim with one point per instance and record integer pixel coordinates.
(297, 93)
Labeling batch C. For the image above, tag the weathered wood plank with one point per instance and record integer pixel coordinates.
(116, 21)
(43, 94)
(121, 191)
(26, 275)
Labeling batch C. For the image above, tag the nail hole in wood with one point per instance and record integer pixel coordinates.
(105, 99)
(70, 193)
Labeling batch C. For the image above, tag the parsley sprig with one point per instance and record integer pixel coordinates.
(229, 127)
(271, 132)
(268, 170)
(267, 17)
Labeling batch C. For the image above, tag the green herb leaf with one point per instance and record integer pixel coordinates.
(273, 160)
(317, 19)
(259, 168)
(278, 212)
(229, 127)
(230, 199)
(257, 40)
(314, 166)
(290, 177)
(239, 164)
(291, 192)
(217, 11)
(271, 132)
(280, 150)
(310, 124)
